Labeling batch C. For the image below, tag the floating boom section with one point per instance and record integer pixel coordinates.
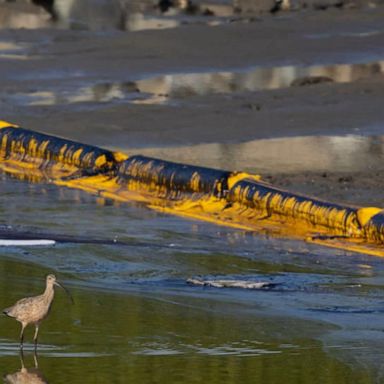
(171, 180)
(57, 157)
(228, 198)
(374, 228)
(269, 201)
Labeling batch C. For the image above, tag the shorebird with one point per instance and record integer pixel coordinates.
(33, 310)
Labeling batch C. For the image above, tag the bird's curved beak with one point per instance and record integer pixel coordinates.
(65, 289)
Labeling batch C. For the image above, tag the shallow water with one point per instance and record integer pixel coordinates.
(347, 153)
(136, 318)
(178, 87)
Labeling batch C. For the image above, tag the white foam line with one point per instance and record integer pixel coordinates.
(10, 243)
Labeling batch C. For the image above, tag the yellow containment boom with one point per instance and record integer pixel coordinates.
(234, 199)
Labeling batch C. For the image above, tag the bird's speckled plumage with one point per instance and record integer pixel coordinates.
(32, 309)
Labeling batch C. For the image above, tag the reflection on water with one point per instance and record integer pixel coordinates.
(26, 375)
(160, 89)
(12, 51)
(135, 319)
(184, 85)
(100, 93)
(180, 337)
(291, 154)
(140, 22)
(242, 348)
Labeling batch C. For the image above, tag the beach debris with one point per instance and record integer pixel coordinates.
(17, 243)
(222, 283)
(311, 80)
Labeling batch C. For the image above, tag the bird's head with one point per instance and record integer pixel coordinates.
(51, 280)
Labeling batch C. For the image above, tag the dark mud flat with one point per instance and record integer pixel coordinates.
(349, 187)
(233, 93)
(71, 70)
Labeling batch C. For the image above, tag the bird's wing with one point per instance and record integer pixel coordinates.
(21, 306)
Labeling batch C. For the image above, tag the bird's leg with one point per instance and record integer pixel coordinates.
(35, 359)
(36, 334)
(23, 325)
(22, 359)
